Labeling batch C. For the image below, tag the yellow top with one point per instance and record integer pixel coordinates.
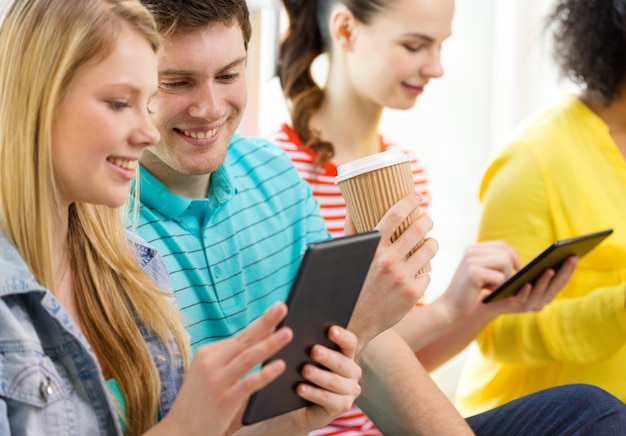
(560, 176)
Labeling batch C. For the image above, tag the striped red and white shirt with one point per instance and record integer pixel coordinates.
(333, 210)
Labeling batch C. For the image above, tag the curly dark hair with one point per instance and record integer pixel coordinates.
(590, 43)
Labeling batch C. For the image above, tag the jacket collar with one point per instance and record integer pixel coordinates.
(16, 277)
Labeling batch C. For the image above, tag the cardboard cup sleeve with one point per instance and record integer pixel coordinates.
(371, 185)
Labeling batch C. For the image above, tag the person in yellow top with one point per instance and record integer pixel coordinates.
(563, 174)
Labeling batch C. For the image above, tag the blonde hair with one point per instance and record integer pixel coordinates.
(42, 45)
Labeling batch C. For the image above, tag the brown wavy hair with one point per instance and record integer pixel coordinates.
(306, 38)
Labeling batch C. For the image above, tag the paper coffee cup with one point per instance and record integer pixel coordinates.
(372, 184)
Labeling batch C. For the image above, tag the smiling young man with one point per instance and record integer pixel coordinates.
(231, 217)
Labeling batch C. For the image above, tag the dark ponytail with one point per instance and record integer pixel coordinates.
(307, 37)
(304, 41)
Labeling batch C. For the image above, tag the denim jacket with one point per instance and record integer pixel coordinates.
(50, 381)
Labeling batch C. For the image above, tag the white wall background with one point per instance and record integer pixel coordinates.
(497, 72)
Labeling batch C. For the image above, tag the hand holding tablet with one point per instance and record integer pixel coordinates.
(551, 257)
(323, 294)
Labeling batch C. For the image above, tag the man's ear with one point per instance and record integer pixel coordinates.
(342, 27)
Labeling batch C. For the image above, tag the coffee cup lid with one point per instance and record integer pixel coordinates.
(370, 163)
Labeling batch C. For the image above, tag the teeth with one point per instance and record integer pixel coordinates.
(123, 163)
(200, 135)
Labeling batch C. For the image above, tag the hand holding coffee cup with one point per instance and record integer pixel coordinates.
(372, 184)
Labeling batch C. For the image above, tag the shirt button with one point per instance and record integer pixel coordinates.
(46, 389)
(161, 358)
(217, 271)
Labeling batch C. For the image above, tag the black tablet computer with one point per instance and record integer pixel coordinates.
(551, 257)
(323, 293)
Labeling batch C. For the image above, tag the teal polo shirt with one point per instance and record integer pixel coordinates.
(232, 255)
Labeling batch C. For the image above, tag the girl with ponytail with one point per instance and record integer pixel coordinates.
(382, 54)
(339, 122)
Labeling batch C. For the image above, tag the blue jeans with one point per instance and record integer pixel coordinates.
(575, 409)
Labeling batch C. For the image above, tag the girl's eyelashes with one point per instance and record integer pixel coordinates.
(118, 105)
(413, 48)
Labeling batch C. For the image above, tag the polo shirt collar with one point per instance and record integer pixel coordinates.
(157, 196)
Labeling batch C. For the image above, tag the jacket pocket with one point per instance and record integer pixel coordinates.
(37, 393)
